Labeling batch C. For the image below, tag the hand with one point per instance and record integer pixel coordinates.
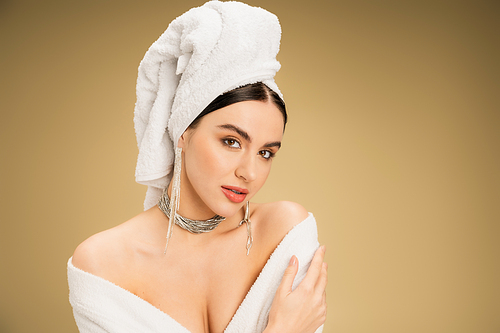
(304, 309)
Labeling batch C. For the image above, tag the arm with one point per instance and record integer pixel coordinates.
(304, 309)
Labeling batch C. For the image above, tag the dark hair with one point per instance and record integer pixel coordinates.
(250, 92)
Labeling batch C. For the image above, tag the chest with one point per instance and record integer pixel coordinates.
(201, 290)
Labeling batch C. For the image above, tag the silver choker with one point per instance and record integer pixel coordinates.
(193, 226)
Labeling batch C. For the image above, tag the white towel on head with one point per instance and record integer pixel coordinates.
(203, 53)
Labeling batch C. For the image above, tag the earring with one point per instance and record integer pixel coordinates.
(175, 195)
(249, 227)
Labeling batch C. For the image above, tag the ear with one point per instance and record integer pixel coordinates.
(183, 140)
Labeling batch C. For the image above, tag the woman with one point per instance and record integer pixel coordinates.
(201, 257)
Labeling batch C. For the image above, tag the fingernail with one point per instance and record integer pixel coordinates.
(323, 248)
(293, 261)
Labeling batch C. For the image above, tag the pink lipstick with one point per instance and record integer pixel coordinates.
(235, 194)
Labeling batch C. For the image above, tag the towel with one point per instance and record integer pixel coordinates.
(101, 306)
(203, 53)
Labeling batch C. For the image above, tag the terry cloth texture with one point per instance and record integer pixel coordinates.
(203, 53)
(101, 306)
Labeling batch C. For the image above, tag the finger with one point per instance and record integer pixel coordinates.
(323, 278)
(285, 286)
(315, 268)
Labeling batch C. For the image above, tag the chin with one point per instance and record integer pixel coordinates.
(230, 209)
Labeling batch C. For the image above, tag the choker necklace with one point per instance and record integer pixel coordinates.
(193, 226)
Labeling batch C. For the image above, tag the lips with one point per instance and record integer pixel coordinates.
(235, 194)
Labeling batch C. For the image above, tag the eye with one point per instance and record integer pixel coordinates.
(231, 143)
(266, 154)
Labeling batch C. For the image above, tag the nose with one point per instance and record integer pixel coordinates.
(247, 169)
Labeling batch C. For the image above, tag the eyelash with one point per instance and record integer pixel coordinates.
(261, 153)
(226, 142)
(271, 154)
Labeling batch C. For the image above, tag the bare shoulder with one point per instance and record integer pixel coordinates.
(109, 250)
(280, 216)
(95, 253)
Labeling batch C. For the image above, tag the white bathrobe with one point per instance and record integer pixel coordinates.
(101, 306)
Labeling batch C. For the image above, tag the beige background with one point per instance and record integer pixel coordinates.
(393, 143)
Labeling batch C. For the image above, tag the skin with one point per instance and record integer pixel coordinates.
(202, 279)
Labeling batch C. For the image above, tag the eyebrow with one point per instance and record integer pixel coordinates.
(273, 144)
(238, 130)
(247, 137)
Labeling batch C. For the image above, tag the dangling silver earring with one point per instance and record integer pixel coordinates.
(249, 227)
(176, 192)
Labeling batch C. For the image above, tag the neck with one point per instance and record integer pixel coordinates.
(192, 207)
(193, 226)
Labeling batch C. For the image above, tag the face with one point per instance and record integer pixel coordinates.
(227, 158)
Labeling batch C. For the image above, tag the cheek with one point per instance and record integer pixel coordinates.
(264, 171)
(206, 160)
